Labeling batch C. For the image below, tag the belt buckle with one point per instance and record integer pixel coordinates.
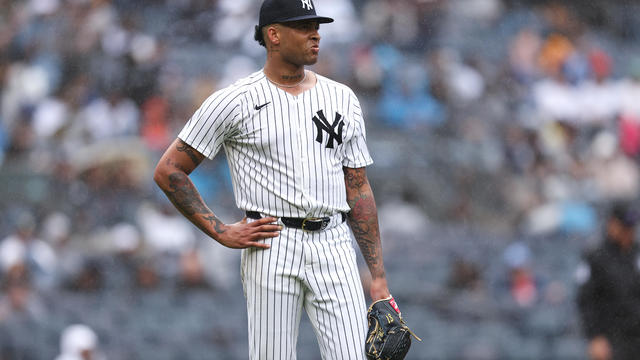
(323, 223)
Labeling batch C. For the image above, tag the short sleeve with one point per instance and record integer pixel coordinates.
(356, 153)
(212, 123)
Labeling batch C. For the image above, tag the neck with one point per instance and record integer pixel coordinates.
(284, 74)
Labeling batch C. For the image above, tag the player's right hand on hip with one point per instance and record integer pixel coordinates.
(245, 235)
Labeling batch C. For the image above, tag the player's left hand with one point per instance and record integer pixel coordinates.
(388, 337)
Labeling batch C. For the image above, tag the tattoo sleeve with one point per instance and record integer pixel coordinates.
(363, 219)
(185, 197)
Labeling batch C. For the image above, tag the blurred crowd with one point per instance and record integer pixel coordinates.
(505, 114)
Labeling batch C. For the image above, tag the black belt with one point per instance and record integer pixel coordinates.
(307, 224)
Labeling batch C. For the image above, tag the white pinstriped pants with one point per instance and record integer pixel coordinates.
(314, 270)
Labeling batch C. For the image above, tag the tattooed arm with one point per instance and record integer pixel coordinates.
(172, 176)
(363, 220)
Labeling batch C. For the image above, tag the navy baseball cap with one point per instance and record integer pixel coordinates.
(280, 11)
(626, 213)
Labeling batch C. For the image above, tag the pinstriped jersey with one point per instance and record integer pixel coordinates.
(285, 152)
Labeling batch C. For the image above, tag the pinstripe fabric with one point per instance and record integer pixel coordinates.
(314, 271)
(277, 165)
(286, 155)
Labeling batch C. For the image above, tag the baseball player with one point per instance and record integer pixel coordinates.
(295, 143)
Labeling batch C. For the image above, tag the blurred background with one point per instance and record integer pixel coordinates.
(500, 130)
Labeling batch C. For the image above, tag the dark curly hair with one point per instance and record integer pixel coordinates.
(259, 36)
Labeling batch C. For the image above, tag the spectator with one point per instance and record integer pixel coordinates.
(23, 248)
(609, 293)
(89, 279)
(79, 342)
(19, 300)
(22, 312)
(522, 284)
(522, 52)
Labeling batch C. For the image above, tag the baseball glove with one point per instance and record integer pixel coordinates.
(388, 338)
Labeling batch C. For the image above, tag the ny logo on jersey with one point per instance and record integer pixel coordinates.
(306, 4)
(323, 124)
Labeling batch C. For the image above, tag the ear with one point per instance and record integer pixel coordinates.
(273, 34)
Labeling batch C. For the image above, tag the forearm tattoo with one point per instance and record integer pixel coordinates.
(363, 220)
(216, 223)
(184, 195)
(185, 148)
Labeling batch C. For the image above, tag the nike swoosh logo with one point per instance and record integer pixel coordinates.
(258, 107)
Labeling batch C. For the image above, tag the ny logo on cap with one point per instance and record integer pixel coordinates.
(306, 4)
